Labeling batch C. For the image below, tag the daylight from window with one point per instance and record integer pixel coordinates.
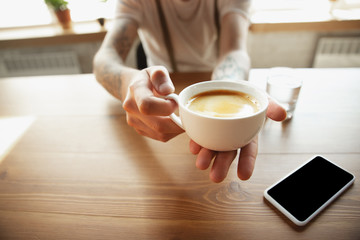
(17, 13)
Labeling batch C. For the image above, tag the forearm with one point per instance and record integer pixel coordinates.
(112, 74)
(234, 61)
(108, 64)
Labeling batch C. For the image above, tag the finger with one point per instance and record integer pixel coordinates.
(247, 160)
(275, 111)
(159, 128)
(156, 127)
(160, 79)
(204, 158)
(156, 136)
(151, 105)
(148, 104)
(194, 147)
(221, 165)
(161, 124)
(147, 131)
(129, 104)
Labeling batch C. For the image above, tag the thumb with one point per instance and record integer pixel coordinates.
(275, 111)
(160, 79)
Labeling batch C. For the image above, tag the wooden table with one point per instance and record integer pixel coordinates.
(71, 168)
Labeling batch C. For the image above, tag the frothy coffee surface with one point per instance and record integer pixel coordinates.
(224, 104)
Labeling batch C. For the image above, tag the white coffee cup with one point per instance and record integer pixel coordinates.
(216, 133)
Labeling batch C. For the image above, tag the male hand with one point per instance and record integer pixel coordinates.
(145, 110)
(222, 160)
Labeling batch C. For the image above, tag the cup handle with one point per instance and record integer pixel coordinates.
(173, 116)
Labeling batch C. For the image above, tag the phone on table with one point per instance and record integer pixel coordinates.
(307, 190)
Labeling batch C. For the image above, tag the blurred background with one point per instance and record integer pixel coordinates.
(292, 33)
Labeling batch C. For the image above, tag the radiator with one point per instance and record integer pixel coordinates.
(337, 52)
(16, 63)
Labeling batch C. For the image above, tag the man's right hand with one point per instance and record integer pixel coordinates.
(146, 111)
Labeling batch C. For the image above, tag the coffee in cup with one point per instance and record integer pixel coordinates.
(223, 104)
(221, 115)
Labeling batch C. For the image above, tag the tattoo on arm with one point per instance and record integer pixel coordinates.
(123, 40)
(109, 65)
(110, 80)
(234, 66)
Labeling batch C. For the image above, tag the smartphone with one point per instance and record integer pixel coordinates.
(307, 190)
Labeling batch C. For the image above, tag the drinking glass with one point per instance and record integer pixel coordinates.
(284, 86)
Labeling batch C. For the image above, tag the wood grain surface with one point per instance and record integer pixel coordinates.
(78, 171)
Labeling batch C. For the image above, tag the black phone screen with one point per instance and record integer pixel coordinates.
(310, 187)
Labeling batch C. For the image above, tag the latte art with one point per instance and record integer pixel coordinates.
(224, 104)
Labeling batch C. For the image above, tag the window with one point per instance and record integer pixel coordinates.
(17, 13)
(304, 10)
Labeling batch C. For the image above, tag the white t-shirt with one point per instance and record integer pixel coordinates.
(191, 26)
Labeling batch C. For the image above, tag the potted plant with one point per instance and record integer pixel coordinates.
(101, 19)
(62, 12)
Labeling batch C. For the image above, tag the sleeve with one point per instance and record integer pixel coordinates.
(129, 9)
(239, 6)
